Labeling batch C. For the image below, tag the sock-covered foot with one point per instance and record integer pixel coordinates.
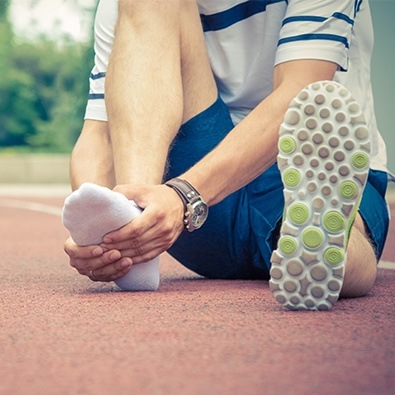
(324, 148)
(91, 212)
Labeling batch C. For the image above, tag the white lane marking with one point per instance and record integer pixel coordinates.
(32, 206)
(34, 190)
(387, 265)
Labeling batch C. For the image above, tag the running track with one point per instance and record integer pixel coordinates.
(62, 334)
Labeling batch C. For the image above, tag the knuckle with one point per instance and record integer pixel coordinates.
(161, 215)
(134, 243)
(136, 231)
(168, 229)
(139, 251)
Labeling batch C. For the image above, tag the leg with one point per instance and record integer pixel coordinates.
(169, 80)
(361, 268)
(162, 44)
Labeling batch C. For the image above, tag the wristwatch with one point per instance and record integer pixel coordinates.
(196, 209)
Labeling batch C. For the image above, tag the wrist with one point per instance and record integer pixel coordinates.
(195, 208)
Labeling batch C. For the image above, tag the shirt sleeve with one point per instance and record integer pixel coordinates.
(317, 29)
(104, 26)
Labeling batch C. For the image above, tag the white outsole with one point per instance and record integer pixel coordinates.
(324, 147)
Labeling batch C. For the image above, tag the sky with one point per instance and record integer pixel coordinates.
(56, 17)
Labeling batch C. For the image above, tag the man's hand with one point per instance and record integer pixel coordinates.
(155, 230)
(98, 263)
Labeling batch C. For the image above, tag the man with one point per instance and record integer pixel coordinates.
(197, 101)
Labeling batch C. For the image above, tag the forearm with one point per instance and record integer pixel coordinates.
(91, 159)
(143, 96)
(247, 151)
(251, 147)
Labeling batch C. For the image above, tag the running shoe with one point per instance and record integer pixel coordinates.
(324, 147)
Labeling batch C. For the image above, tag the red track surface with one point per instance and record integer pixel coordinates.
(62, 334)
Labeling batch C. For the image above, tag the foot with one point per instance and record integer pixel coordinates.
(93, 211)
(324, 148)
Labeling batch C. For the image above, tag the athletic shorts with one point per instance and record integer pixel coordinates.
(242, 230)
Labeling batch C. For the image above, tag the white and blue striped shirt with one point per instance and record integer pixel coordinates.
(246, 39)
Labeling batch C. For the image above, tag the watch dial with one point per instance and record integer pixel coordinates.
(199, 215)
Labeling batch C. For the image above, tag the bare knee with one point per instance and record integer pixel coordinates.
(361, 268)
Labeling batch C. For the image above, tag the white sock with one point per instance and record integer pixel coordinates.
(91, 212)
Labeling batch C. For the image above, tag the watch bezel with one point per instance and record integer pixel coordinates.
(193, 224)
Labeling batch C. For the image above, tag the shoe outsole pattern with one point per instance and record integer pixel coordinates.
(324, 147)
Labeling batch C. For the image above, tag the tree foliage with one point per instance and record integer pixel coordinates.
(43, 89)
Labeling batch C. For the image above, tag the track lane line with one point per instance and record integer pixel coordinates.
(32, 206)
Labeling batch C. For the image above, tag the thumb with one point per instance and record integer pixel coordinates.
(132, 192)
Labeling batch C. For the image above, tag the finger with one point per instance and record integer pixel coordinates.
(136, 193)
(112, 271)
(134, 229)
(141, 251)
(77, 252)
(149, 241)
(135, 243)
(148, 256)
(148, 251)
(84, 266)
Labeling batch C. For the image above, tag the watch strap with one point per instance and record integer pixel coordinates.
(185, 190)
(190, 197)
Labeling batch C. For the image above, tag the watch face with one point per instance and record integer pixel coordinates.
(199, 215)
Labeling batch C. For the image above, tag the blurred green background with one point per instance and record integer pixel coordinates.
(44, 74)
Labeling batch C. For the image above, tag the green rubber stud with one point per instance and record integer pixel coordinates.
(334, 222)
(333, 256)
(298, 213)
(291, 177)
(286, 145)
(287, 245)
(312, 238)
(360, 160)
(348, 189)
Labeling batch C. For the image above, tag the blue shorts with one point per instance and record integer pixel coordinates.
(241, 231)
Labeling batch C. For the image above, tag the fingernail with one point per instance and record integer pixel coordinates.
(97, 251)
(114, 255)
(126, 263)
(107, 240)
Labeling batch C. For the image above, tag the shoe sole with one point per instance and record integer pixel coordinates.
(323, 158)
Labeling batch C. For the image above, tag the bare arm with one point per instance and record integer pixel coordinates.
(251, 147)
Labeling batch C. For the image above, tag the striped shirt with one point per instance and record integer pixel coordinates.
(246, 39)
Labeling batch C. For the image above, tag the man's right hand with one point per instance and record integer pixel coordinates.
(96, 262)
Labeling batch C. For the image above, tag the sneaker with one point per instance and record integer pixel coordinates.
(323, 158)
